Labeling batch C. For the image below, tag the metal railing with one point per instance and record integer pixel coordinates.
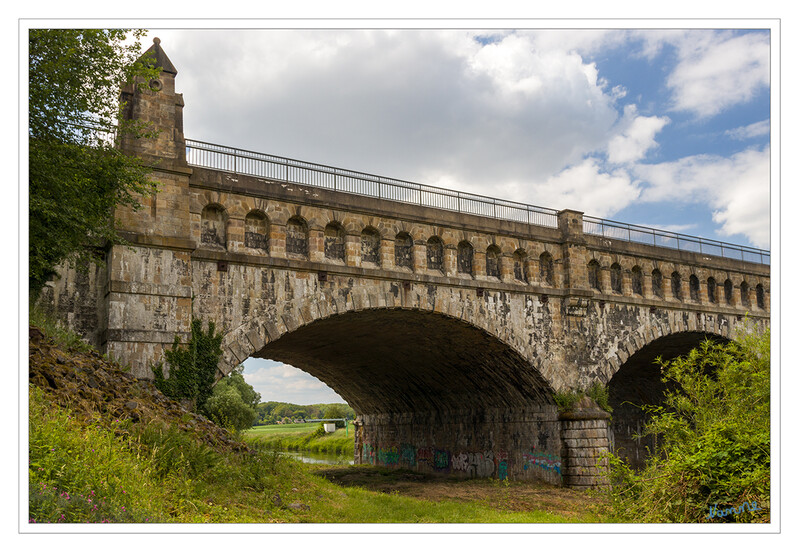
(283, 169)
(673, 240)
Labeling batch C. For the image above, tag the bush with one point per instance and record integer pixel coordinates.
(715, 433)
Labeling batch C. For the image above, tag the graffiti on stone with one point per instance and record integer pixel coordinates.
(545, 461)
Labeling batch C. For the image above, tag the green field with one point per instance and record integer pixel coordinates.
(282, 428)
(303, 437)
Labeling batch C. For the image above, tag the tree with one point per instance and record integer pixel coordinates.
(77, 174)
(192, 370)
(233, 402)
(714, 436)
(336, 411)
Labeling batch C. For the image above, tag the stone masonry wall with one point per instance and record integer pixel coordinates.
(521, 444)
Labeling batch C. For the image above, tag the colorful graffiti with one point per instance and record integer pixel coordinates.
(388, 456)
(474, 464)
(368, 454)
(441, 460)
(408, 455)
(545, 461)
(424, 457)
(501, 460)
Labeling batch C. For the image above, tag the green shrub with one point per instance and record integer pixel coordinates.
(714, 435)
(565, 400)
(599, 394)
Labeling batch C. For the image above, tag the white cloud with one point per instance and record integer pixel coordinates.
(408, 104)
(736, 188)
(523, 116)
(587, 187)
(717, 71)
(760, 128)
(281, 382)
(636, 136)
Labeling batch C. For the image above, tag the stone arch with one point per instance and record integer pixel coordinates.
(635, 380)
(594, 275)
(403, 250)
(615, 278)
(435, 253)
(520, 270)
(370, 245)
(745, 301)
(728, 291)
(711, 290)
(465, 258)
(657, 283)
(256, 230)
(493, 261)
(334, 241)
(676, 286)
(760, 296)
(693, 286)
(309, 316)
(637, 280)
(546, 269)
(297, 236)
(213, 226)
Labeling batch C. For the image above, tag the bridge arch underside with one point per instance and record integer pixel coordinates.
(433, 393)
(639, 382)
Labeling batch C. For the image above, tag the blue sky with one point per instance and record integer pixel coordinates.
(665, 127)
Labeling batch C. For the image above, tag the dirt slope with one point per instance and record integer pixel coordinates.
(94, 387)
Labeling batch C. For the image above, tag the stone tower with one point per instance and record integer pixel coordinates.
(148, 295)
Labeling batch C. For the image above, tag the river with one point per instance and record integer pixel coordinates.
(320, 457)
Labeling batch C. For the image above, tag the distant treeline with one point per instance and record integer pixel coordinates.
(274, 412)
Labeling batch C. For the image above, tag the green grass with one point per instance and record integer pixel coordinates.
(303, 437)
(282, 428)
(54, 329)
(117, 472)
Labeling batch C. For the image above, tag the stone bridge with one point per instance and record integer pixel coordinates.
(446, 320)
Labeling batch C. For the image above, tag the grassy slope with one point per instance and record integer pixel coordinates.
(93, 473)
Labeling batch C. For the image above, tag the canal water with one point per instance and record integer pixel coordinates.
(320, 457)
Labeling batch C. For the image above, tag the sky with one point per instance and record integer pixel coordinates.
(667, 128)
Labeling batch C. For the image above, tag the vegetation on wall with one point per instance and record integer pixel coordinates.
(77, 174)
(714, 461)
(192, 369)
(566, 400)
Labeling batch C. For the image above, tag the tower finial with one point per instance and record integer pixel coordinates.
(156, 40)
